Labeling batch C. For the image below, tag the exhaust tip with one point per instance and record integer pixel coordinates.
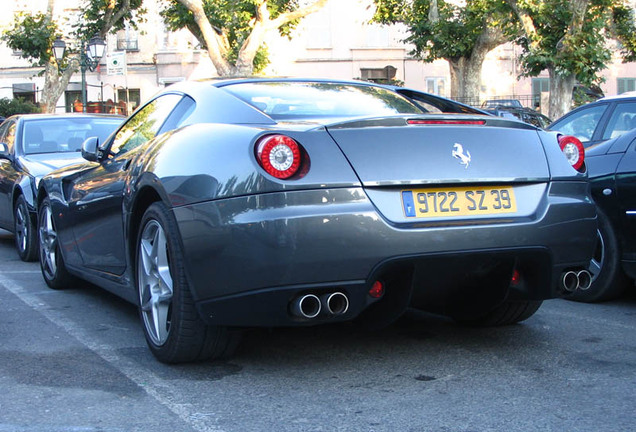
(570, 281)
(336, 303)
(306, 306)
(585, 279)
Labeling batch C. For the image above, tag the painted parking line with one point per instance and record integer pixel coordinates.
(152, 385)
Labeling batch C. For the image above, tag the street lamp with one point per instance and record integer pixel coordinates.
(89, 58)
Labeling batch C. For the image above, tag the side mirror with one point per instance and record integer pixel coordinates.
(89, 149)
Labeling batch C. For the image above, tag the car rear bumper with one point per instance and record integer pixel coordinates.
(248, 258)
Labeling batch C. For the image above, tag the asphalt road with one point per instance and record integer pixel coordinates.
(76, 361)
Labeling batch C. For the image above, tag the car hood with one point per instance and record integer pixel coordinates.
(44, 163)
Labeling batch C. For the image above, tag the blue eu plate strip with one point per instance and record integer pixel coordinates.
(407, 202)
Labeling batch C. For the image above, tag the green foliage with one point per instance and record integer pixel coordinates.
(456, 32)
(232, 18)
(96, 12)
(583, 53)
(9, 107)
(32, 35)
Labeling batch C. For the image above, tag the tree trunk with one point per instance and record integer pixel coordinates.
(54, 85)
(465, 79)
(561, 87)
(465, 72)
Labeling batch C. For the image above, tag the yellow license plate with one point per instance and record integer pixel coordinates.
(460, 201)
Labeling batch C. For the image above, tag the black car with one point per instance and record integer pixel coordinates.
(599, 121)
(261, 202)
(32, 145)
(612, 171)
(526, 115)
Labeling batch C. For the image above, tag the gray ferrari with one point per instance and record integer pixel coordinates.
(228, 204)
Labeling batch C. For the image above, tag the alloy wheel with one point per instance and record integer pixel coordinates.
(21, 227)
(155, 282)
(48, 243)
(596, 263)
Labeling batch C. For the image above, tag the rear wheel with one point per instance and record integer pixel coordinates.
(51, 262)
(173, 328)
(25, 233)
(509, 312)
(608, 279)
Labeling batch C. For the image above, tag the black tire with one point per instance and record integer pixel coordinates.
(509, 312)
(172, 326)
(608, 279)
(51, 261)
(25, 233)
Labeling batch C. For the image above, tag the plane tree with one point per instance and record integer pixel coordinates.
(233, 31)
(32, 35)
(460, 32)
(570, 39)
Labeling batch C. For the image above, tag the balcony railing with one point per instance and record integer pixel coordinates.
(127, 45)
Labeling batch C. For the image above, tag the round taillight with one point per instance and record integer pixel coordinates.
(573, 150)
(279, 155)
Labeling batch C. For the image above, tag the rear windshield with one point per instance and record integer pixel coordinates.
(281, 100)
(55, 135)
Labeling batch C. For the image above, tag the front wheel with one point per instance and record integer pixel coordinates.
(173, 328)
(25, 233)
(51, 261)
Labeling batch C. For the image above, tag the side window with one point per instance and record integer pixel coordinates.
(7, 134)
(144, 125)
(623, 119)
(581, 124)
(176, 118)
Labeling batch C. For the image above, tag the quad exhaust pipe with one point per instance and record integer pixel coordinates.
(572, 280)
(309, 306)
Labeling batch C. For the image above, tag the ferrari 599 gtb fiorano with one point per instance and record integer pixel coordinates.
(228, 204)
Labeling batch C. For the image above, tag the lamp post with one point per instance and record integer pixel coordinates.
(89, 57)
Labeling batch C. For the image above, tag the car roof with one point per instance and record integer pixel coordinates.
(41, 116)
(626, 95)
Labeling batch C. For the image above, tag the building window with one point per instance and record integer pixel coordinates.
(436, 85)
(24, 91)
(625, 84)
(129, 98)
(383, 75)
(127, 40)
(539, 85)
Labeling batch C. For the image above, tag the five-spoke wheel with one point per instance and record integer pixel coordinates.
(24, 228)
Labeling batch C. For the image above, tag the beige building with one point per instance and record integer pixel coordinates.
(336, 42)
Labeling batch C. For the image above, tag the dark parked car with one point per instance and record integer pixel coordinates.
(496, 103)
(526, 115)
(612, 169)
(32, 145)
(600, 120)
(235, 203)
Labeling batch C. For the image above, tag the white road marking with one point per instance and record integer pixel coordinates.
(150, 383)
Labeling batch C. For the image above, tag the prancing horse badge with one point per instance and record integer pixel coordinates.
(458, 153)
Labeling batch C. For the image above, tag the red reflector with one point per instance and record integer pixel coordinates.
(573, 150)
(377, 290)
(516, 278)
(446, 122)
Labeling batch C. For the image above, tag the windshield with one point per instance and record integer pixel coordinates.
(56, 135)
(282, 100)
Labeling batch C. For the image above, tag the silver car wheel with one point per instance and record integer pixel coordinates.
(596, 263)
(21, 227)
(155, 282)
(48, 242)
